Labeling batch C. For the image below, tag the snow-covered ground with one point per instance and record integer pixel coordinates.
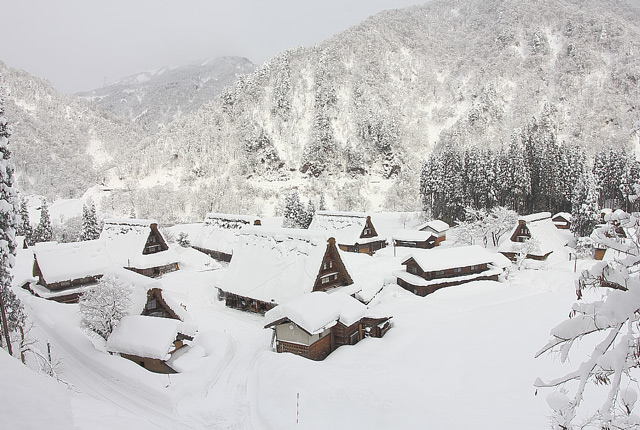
(461, 358)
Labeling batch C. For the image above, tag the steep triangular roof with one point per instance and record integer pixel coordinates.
(59, 262)
(278, 264)
(347, 228)
(540, 227)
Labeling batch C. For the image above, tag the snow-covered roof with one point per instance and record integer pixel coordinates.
(140, 285)
(535, 217)
(215, 238)
(125, 240)
(564, 215)
(435, 225)
(144, 336)
(542, 229)
(67, 261)
(345, 227)
(229, 221)
(412, 235)
(431, 260)
(318, 311)
(422, 282)
(275, 264)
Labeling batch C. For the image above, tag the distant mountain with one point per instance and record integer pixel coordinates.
(154, 99)
(61, 144)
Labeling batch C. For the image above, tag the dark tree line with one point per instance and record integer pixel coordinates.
(534, 172)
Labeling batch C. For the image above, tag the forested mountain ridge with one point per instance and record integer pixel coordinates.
(374, 100)
(154, 99)
(355, 117)
(61, 144)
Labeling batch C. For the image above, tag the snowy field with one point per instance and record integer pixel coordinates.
(461, 358)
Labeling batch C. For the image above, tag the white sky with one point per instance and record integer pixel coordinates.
(80, 44)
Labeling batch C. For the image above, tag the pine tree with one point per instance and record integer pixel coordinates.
(24, 225)
(585, 211)
(90, 229)
(293, 211)
(307, 215)
(11, 311)
(323, 203)
(44, 230)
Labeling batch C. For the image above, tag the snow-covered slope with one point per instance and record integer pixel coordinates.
(154, 99)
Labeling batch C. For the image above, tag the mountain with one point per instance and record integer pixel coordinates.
(368, 105)
(61, 144)
(154, 99)
(354, 117)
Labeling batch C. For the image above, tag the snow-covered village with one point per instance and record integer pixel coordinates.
(415, 215)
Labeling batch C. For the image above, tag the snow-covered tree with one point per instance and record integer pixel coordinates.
(24, 224)
(585, 211)
(608, 312)
(183, 240)
(44, 230)
(11, 311)
(103, 306)
(90, 228)
(294, 213)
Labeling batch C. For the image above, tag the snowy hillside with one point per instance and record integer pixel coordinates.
(154, 99)
(460, 358)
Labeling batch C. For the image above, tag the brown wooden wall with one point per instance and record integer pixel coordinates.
(216, 255)
(317, 351)
(424, 290)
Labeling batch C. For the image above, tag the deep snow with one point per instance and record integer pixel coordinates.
(457, 359)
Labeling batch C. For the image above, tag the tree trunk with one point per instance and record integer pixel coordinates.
(5, 325)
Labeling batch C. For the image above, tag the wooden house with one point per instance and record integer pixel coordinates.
(274, 265)
(316, 324)
(155, 326)
(538, 226)
(429, 270)
(219, 234)
(64, 269)
(562, 220)
(138, 246)
(437, 227)
(415, 239)
(613, 240)
(353, 231)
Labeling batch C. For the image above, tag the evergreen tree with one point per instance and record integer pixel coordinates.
(24, 225)
(11, 310)
(44, 230)
(308, 215)
(294, 212)
(90, 229)
(585, 210)
(323, 203)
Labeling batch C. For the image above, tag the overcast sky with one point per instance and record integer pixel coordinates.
(80, 44)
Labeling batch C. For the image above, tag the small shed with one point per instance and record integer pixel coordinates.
(429, 270)
(138, 245)
(275, 265)
(316, 324)
(562, 220)
(438, 227)
(353, 231)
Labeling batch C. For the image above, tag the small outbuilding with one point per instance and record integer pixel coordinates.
(415, 239)
(429, 270)
(353, 231)
(562, 220)
(437, 227)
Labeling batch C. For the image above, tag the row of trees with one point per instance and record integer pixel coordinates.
(533, 173)
(295, 215)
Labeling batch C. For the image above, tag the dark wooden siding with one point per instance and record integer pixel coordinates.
(317, 351)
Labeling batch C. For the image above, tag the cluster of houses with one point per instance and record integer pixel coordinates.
(297, 278)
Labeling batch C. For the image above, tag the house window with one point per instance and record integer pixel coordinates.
(325, 280)
(457, 270)
(327, 265)
(413, 269)
(151, 304)
(354, 338)
(475, 267)
(440, 272)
